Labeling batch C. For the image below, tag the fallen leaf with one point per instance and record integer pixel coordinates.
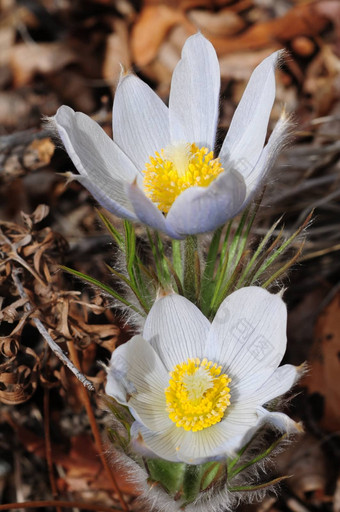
(323, 377)
(219, 24)
(38, 153)
(301, 20)
(151, 29)
(28, 59)
(117, 51)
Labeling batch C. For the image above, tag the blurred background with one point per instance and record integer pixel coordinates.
(55, 52)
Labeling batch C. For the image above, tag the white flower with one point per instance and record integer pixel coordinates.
(196, 390)
(160, 168)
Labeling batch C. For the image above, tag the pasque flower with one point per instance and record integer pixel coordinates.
(160, 167)
(197, 389)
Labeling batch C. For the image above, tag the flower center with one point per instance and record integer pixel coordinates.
(198, 394)
(176, 168)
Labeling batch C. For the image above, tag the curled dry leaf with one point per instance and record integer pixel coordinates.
(18, 381)
(9, 346)
(10, 313)
(38, 215)
(33, 250)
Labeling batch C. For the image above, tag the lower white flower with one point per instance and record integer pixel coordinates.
(196, 389)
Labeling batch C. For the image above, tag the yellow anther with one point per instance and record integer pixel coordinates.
(176, 168)
(198, 394)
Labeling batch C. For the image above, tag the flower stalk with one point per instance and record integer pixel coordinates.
(191, 265)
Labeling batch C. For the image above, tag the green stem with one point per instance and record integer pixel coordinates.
(190, 266)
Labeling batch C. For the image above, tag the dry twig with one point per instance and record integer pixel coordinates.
(48, 338)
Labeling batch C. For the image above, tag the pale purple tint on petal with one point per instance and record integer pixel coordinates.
(148, 213)
(95, 156)
(203, 209)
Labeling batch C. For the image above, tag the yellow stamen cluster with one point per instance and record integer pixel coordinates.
(176, 168)
(198, 394)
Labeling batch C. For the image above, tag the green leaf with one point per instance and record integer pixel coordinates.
(257, 253)
(281, 249)
(285, 267)
(177, 258)
(131, 286)
(169, 474)
(103, 287)
(112, 230)
(212, 471)
(115, 438)
(249, 488)
(256, 459)
(175, 276)
(210, 264)
(130, 248)
(191, 482)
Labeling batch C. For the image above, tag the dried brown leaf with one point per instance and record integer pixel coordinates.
(216, 24)
(323, 377)
(38, 154)
(18, 382)
(150, 30)
(302, 20)
(28, 59)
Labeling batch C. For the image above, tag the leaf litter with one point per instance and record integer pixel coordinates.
(70, 52)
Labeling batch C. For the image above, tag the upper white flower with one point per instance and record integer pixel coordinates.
(160, 168)
(195, 389)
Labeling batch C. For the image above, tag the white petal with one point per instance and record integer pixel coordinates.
(259, 388)
(137, 378)
(148, 213)
(255, 176)
(226, 437)
(215, 442)
(106, 201)
(177, 330)
(162, 444)
(95, 156)
(220, 440)
(194, 94)
(140, 120)
(199, 447)
(281, 381)
(248, 333)
(202, 209)
(279, 420)
(247, 133)
(249, 384)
